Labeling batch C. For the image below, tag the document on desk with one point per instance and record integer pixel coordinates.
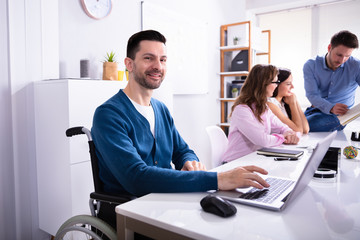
(352, 114)
(280, 152)
(277, 198)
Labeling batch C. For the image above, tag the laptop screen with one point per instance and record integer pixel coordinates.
(312, 164)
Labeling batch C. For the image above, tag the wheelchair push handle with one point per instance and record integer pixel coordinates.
(78, 131)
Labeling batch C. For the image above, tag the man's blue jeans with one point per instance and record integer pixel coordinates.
(322, 122)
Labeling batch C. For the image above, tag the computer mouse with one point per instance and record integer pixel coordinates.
(218, 206)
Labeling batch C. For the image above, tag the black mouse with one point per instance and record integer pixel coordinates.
(218, 206)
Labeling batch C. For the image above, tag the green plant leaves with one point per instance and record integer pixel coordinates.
(110, 57)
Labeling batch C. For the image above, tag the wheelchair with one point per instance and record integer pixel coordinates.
(86, 226)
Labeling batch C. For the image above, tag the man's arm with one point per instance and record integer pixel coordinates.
(139, 179)
(139, 170)
(193, 166)
(313, 92)
(339, 109)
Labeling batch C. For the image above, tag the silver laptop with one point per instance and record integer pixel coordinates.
(281, 190)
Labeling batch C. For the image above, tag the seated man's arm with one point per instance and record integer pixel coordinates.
(193, 166)
(139, 170)
(242, 177)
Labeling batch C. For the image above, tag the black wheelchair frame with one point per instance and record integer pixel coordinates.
(92, 225)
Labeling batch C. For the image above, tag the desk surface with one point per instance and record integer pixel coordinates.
(325, 210)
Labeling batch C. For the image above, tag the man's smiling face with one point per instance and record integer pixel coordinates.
(149, 65)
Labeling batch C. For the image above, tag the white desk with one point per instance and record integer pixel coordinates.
(322, 211)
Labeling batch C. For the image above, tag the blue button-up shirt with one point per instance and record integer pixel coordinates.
(325, 87)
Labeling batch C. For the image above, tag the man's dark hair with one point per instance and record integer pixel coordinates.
(134, 41)
(345, 38)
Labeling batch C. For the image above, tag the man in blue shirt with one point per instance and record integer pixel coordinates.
(136, 138)
(330, 83)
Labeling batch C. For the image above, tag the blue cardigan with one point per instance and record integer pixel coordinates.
(131, 160)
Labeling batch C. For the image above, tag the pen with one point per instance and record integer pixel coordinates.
(285, 159)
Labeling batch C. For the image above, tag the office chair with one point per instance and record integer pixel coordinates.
(218, 143)
(92, 226)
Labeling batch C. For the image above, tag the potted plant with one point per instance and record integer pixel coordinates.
(110, 67)
(234, 92)
(236, 40)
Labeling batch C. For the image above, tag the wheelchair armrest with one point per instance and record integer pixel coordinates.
(123, 198)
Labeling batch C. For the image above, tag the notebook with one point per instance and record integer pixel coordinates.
(277, 198)
(352, 114)
(280, 152)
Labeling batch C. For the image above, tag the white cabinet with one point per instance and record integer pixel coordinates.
(64, 177)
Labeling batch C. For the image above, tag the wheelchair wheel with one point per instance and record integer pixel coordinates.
(85, 227)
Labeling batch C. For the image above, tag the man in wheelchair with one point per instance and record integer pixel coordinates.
(136, 139)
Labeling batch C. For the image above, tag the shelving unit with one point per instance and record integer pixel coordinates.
(227, 60)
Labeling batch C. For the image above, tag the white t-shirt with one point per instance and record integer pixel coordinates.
(280, 105)
(148, 113)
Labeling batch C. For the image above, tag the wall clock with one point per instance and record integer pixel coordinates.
(97, 9)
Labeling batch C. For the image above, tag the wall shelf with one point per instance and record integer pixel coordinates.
(233, 48)
(238, 73)
(227, 99)
(229, 55)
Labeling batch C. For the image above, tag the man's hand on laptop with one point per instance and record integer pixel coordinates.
(242, 177)
(193, 166)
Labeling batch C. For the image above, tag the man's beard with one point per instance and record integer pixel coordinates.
(332, 64)
(141, 80)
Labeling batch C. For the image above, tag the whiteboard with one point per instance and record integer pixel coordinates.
(187, 65)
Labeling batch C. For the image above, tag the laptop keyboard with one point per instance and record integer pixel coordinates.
(268, 195)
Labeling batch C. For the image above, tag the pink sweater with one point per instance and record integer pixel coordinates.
(247, 134)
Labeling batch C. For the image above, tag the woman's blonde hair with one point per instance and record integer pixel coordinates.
(253, 92)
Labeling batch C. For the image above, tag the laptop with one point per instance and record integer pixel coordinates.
(281, 190)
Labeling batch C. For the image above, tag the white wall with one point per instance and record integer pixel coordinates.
(83, 37)
(7, 197)
(268, 6)
(291, 46)
(25, 65)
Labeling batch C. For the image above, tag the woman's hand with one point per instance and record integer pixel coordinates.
(290, 99)
(291, 137)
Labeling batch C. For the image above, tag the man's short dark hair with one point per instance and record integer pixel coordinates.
(133, 45)
(345, 38)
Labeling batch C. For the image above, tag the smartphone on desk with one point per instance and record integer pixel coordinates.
(285, 159)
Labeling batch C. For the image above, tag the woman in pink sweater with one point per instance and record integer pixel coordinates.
(252, 124)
